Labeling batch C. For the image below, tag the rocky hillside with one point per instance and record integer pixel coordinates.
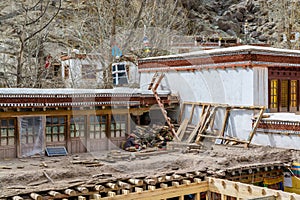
(262, 21)
(32, 30)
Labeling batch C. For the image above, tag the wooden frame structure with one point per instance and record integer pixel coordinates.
(207, 118)
(136, 189)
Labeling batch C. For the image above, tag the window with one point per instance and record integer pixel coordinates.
(98, 126)
(293, 90)
(88, 71)
(30, 129)
(55, 129)
(119, 73)
(284, 93)
(77, 126)
(274, 94)
(7, 132)
(118, 125)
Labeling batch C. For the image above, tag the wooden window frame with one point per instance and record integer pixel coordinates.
(78, 126)
(52, 126)
(98, 126)
(7, 132)
(118, 126)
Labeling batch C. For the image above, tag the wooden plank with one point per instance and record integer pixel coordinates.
(192, 135)
(181, 112)
(192, 113)
(224, 125)
(245, 191)
(253, 131)
(203, 120)
(181, 129)
(164, 193)
(225, 138)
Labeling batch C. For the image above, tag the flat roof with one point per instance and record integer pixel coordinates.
(72, 91)
(225, 50)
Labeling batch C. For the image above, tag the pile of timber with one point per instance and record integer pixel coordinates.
(105, 185)
(101, 186)
(153, 135)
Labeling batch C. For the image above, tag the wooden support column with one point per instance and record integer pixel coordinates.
(108, 133)
(68, 133)
(18, 136)
(197, 196)
(128, 127)
(87, 133)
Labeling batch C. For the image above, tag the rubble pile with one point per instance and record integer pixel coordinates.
(155, 135)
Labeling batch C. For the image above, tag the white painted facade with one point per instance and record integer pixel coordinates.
(233, 86)
(229, 86)
(88, 72)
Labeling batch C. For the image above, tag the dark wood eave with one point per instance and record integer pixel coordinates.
(226, 57)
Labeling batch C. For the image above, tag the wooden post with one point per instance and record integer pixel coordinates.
(255, 126)
(224, 125)
(36, 196)
(18, 138)
(181, 112)
(192, 113)
(197, 196)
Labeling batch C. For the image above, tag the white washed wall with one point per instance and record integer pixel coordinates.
(239, 86)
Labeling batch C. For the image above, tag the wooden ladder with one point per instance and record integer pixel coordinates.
(156, 79)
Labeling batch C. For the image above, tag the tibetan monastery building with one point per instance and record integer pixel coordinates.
(243, 76)
(81, 120)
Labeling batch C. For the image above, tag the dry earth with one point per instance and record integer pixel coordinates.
(26, 175)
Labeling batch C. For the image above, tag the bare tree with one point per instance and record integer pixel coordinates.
(27, 27)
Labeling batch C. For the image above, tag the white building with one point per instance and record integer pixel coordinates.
(243, 76)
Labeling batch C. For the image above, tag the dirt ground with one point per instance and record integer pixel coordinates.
(42, 172)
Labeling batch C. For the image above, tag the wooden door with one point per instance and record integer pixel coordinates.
(8, 138)
(78, 130)
(284, 95)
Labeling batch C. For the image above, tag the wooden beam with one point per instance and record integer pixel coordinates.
(253, 131)
(192, 113)
(225, 121)
(181, 129)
